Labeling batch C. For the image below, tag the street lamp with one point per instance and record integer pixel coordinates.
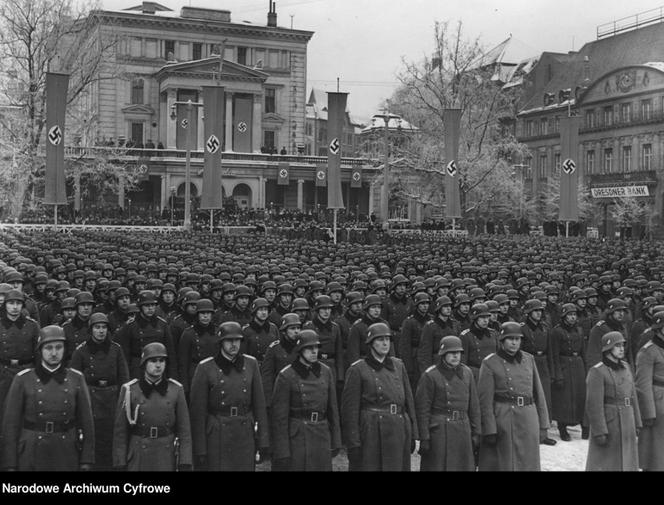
(187, 173)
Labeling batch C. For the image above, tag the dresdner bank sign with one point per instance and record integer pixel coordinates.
(620, 192)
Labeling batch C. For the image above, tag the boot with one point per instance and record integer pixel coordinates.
(564, 436)
(585, 432)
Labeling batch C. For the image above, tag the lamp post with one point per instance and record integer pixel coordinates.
(187, 174)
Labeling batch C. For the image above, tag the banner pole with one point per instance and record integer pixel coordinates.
(211, 220)
(335, 226)
(55, 217)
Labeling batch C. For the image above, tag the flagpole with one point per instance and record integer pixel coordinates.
(335, 226)
(55, 216)
(211, 220)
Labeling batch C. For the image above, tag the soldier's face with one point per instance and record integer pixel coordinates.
(285, 299)
(374, 311)
(270, 294)
(52, 353)
(446, 310)
(423, 307)
(511, 344)
(356, 307)
(310, 354)
(504, 308)
(443, 291)
(381, 346)
(123, 302)
(261, 314)
(99, 332)
(582, 302)
(464, 308)
(68, 314)
(229, 297)
(302, 314)
(453, 358)
(400, 289)
(300, 292)
(205, 318)
(336, 296)
(292, 332)
(84, 309)
(17, 285)
(216, 294)
(382, 292)
(154, 368)
(571, 318)
(619, 315)
(483, 321)
(242, 302)
(148, 309)
(618, 350)
(13, 308)
(190, 308)
(592, 300)
(231, 346)
(494, 316)
(324, 313)
(536, 315)
(514, 302)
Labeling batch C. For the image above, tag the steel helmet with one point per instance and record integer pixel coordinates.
(306, 338)
(479, 310)
(85, 297)
(531, 305)
(421, 298)
(146, 297)
(51, 333)
(371, 300)
(190, 297)
(153, 350)
(377, 330)
(501, 299)
(288, 320)
(568, 308)
(353, 297)
(229, 330)
(14, 295)
(443, 301)
(461, 299)
(68, 303)
(615, 304)
(120, 292)
(300, 304)
(610, 339)
(658, 321)
(510, 329)
(493, 306)
(259, 303)
(97, 317)
(323, 302)
(204, 305)
(450, 343)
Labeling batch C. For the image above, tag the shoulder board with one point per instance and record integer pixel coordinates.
(66, 323)
(80, 346)
(175, 382)
(245, 326)
(598, 365)
(432, 367)
(430, 321)
(162, 319)
(467, 330)
(600, 322)
(115, 344)
(489, 356)
(272, 344)
(75, 371)
(647, 345)
(286, 368)
(23, 372)
(250, 358)
(131, 383)
(28, 318)
(358, 361)
(205, 360)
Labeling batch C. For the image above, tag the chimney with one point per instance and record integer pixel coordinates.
(272, 14)
(149, 8)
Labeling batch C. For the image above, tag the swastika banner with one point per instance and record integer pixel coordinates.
(213, 126)
(56, 99)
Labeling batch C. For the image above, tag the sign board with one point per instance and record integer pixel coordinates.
(620, 192)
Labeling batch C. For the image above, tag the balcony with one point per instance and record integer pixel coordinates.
(538, 136)
(634, 119)
(635, 177)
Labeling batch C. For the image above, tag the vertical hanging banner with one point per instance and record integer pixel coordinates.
(356, 178)
(336, 113)
(243, 110)
(452, 125)
(321, 175)
(56, 100)
(213, 113)
(283, 173)
(569, 173)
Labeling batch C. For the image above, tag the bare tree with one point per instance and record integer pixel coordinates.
(549, 207)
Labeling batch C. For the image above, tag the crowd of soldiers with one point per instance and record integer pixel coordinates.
(141, 351)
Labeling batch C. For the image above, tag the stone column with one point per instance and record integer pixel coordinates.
(229, 121)
(164, 193)
(257, 124)
(171, 124)
(300, 203)
(261, 192)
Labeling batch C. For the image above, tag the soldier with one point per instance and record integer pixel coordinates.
(259, 333)
(240, 312)
(305, 421)
(462, 311)
(167, 308)
(642, 324)
(448, 412)
(613, 321)
(15, 280)
(269, 292)
(118, 317)
(280, 353)
(649, 388)
(514, 311)
(336, 293)
(494, 311)
(284, 302)
(592, 310)
(145, 329)
(198, 341)
(104, 367)
(552, 307)
(48, 424)
(567, 352)
(612, 409)
(478, 341)
(433, 333)
(411, 335)
(357, 347)
(152, 431)
(513, 408)
(397, 306)
(77, 330)
(302, 309)
(188, 317)
(228, 412)
(331, 347)
(67, 311)
(378, 413)
(353, 313)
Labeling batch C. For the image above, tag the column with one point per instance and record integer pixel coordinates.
(171, 124)
(261, 192)
(229, 121)
(164, 192)
(300, 203)
(121, 190)
(201, 129)
(257, 124)
(371, 199)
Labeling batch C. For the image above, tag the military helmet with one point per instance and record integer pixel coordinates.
(615, 304)
(285, 289)
(501, 299)
(97, 317)
(443, 301)
(568, 308)
(259, 303)
(658, 321)
(353, 297)
(242, 290)
(371, 300)
(153, 350)
(377, 330)
(120, 292)
(51, 333)
(421, 298)
(190, 297)
(85, 297)
(288, 320)
(649, 301)
(510, 329)
(146, 297)
(450, 343)
(167, 287)
(398, 279)
(532, 304)
(14, 295)
(323, 302)
(493, 306)
(68, 303)
(479, 310)
(204, 305)
(300, 304)
(610, 339)
(229, 330)
(461, 299)
(306, 338)
(334, 287)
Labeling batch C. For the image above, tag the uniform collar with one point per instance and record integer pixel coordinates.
(260, 327)
(46, 375)
(304, 370)
(227, 365)
(508, 357)
(449, 372)
(96, 347)
(318, 322)
(147, 387)
(377, 365)
(612, 364)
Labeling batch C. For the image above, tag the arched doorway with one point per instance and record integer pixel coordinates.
(242, 196)
(192, 188)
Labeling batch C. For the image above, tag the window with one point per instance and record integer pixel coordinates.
(135, 46)
(270, 100)
(556, 124)
(590, 118)
(625, 112)
(530, 128)
(646, 109)
(242, 55)
(544, 126)
(556, 163)
(590, 162)
(646, 157)
(608, 116)
(268, 139)
(322, 135)
(169, 50)
(541, 166)
(259, 58)
(608, 161)
(273, 56)
(309, 129)
(137, 86)
(137, 134)
(627, 158)
(197, 51)
(151, 48)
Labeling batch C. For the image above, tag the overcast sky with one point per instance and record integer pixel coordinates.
(363, 42)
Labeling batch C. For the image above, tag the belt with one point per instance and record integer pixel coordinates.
(539, 353)
(15, 362)
(392, 408)
(234, 411)
(620, 402)
(569, 355)
(151, 431)
(101, 383)
(656, 382)
(49, 426)
(520, 400)
(308, 415)
(454, 415)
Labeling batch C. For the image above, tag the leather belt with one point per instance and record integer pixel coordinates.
(519, 400)
(151, 431)
(392, 408)
(453, 415)
(233, 411)
(101, 383)
(49, 426)
(569, 355)
(312, 416)
(620, 402)
(15, 362)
